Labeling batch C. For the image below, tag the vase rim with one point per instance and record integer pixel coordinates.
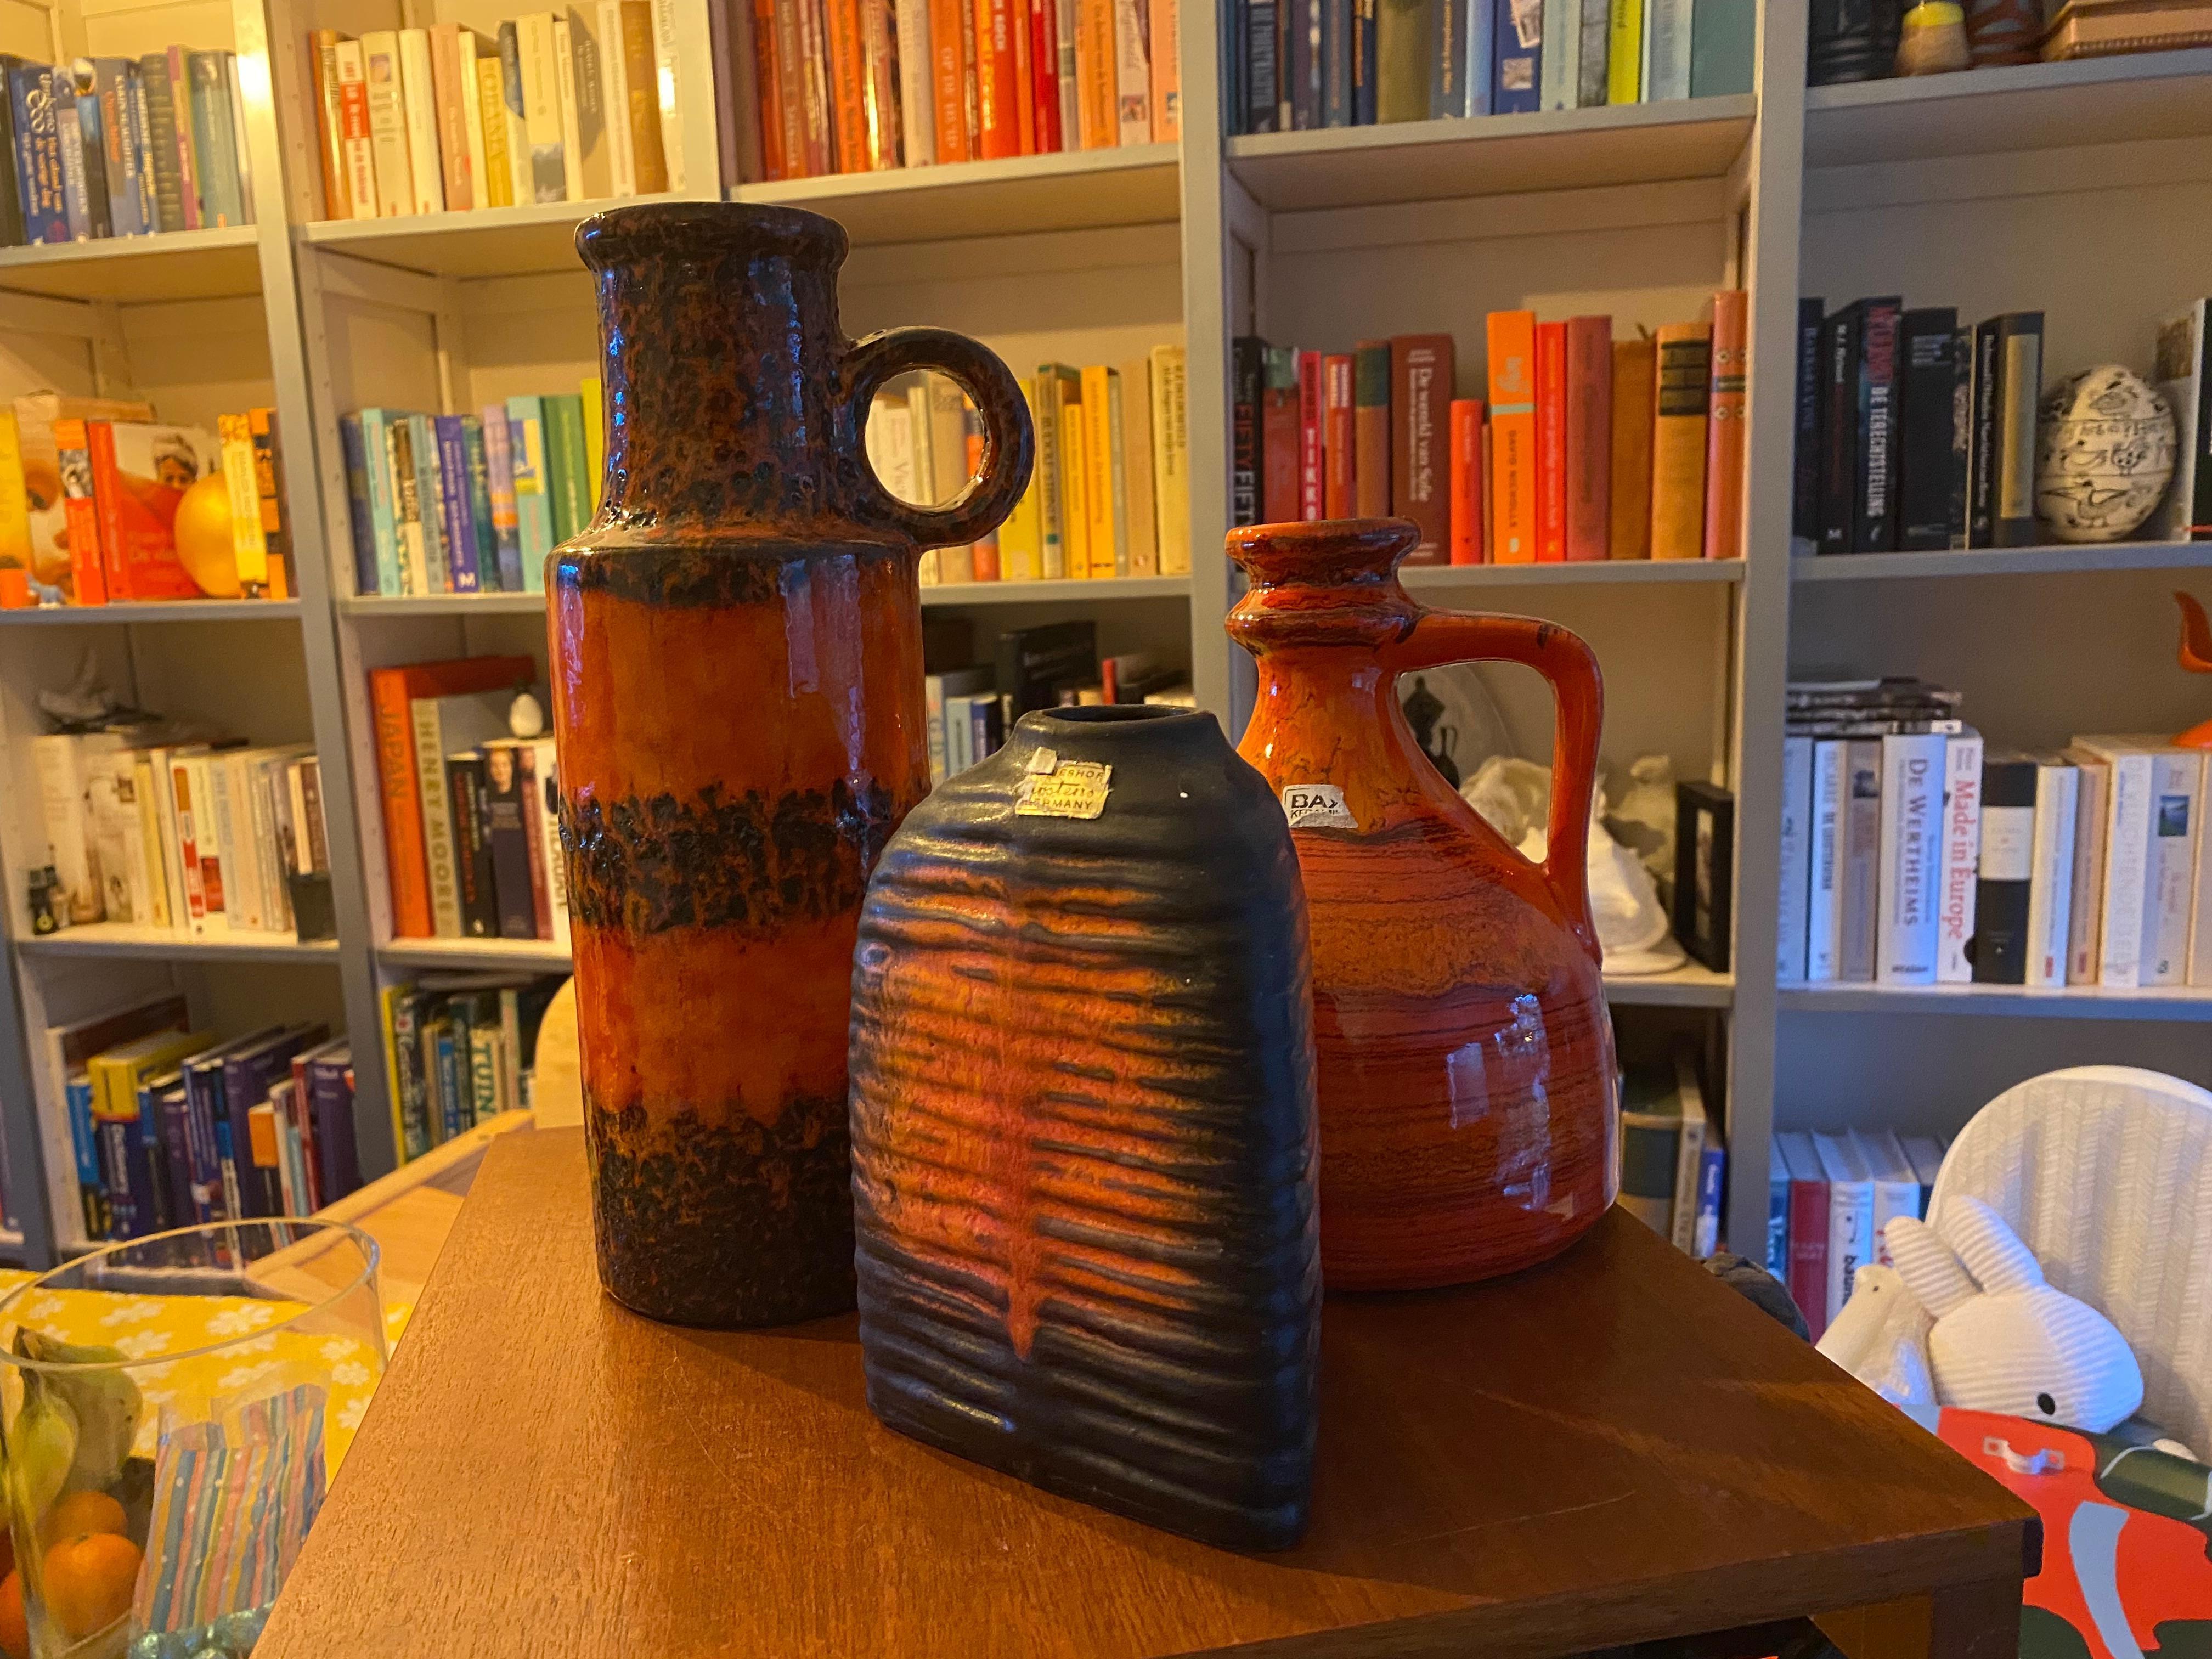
(1122, 722)
(619, 235)
(1328, 552)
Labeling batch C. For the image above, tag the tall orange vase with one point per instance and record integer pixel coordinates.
(738, 699)
(1468, 1092)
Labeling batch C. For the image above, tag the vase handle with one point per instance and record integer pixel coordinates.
(1009, 446)
(1439, 637)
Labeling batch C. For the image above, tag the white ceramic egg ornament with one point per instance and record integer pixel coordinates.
(2105, 450)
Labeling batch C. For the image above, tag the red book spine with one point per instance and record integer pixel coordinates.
(767, 92)
(880, 97)
(1021, 25)
(1279, 451)
(115, 563)
(1489, 500)
(1589, 436)
(805, 147)
(998, 94)
(948, 77)
(1808, 1252)
(1338, 489)
(1310, 493)
(1551, 443)
(1725, 431)
(1467, 469)
(848, 64)
(1044, 75)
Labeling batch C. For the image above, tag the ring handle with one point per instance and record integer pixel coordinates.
(1009, 446)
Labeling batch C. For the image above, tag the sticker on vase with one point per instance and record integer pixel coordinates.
(1316, 806)
(1072, 789)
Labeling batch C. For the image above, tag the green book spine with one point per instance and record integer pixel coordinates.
(1403, 29)
(569, 487)
(430, 502)
(487, 547)
(533, 506)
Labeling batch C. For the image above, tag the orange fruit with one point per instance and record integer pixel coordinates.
(14, 1626)
(89, 1581)
(85, 1511)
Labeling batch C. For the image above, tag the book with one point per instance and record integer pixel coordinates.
(1910, 857)
(1839, 427)
(1791, 935)
(1959, 884)
(1000, 131)
(445, 725)
(1724, 432)
(2018, 386)
(491, 178)
(1371, 421)
(1806, 452)
(388, 128)
(355, 136)
(1074, 486)
(1924, 1153)
(2051, 881)
(1874, 478)
(1589, 438)
(473, 875)
(1402, 62)
(539, 66)
(1421, 380)
(1277, 436)
(533, 505)
(1057, 385)
(38, 158)
(1468, 505)
(1170, 457)
(2183, 375)
(1339, 490)
(1635, 393)
(592, 161)
(508, 829)
(1312, 492)
(1927, 387)
(564, 93)
(140, 472)
(1778, 1212)
(568, 488)
(552, 863)
(1650, 1144)
(1850, 1216)
(365, 440)
(1982, 436)
(1896, 1187)
(2007, 867)
(2085, 906)
(1516, 87)
(1132, 69)
(456, 517)
(1723, 34)
(1678, 441)
(1335, 61)
(1104, 488)
(1551, 443)
(458, 172)
(418, 97)
(1560, 75)
(2150, 803)
(1165, 37)
(1514, 490)
(1034, 663)
(1132, 391)
(1808, 1227)
(1824, 909)
(1667, 42)
(1690, 1151)
(1624, 73)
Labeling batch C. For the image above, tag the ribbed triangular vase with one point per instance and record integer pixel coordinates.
(1083, 1126)
(738, 699)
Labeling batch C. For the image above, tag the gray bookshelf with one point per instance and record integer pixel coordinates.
(1995, 189)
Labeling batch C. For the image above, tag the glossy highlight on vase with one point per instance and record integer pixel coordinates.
(1469, 1089)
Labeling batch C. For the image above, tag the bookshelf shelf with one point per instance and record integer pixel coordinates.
(1078, 190)
(112, 939)
(1075, 593)
(2001, 562)
(391, 607)
(182, 610)
(1690, 986)
(535, 956)
(479, 242)
(1492, 155)
(2178, 1002)
(183, 264)
(2102, 100)
(1610, 573)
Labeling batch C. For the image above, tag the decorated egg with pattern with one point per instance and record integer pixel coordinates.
(2105, 453)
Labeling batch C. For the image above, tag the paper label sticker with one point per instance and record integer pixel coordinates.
(1316, 806)
(1072, 789)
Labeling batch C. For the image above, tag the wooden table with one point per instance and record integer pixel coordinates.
(1611, 1448)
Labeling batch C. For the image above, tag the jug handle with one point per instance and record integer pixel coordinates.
(1439, 637)
(1008, 444)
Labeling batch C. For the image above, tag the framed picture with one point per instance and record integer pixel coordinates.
(1705, 870)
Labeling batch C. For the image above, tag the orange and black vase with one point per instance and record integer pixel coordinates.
(738, 700)
(1468, 1091)
(1083, 1126)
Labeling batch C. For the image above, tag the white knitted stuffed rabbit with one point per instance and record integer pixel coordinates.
(2004, 1340)
(1881, 1338)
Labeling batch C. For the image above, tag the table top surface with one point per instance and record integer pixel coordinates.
(1613, 1446)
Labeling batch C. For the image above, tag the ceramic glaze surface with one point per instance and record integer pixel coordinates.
(1083, 1134)
(1467, 1084)
(738, 700)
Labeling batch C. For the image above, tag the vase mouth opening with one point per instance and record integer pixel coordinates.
(1113, 723)
(1115, 713)
(1325, 552)
(624, 235)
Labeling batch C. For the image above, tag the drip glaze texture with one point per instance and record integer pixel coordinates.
(736, 643)
(1083, 1131)
(1468, 1091)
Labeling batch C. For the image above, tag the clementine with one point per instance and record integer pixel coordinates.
(15, 1624)
(85, 1511)
(89, 1581)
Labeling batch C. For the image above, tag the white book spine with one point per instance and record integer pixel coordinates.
(1911, 854)
(1665, 50)
(672, 121)
(357, 149)
(917, 97)
(549, 830)
(2177, 783)
(564, 84)
(223, 820)
(62, 796)
(2200, 925)
(244, 150)
(172, 861)
(1824, 916)
(1797, 861)
(1689, 1152)
(1862, 837)
(1962, 847)
(1133, 72)
(472, 116)
(2085, 915)
(2051, 875)
(426, 177)
(1850, 1231)
(387, 124)
(614, 98)
(1562, 58)
(1892, 1199)
(2127, 857)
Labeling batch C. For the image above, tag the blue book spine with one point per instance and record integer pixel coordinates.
(1336, 63)
(84, 1146)
(1518, 31)
(488, 573)
(499, 476)
(422, 443)
(453, 1082)
(124, 1219)
(361, 516)
(376, 485)
(337, 1156)
(1777, 1221)
(233, 1200)
(246, 1076)
(1481, 36)
(202, 1112)
(215, 147)
(533, 507)
(175, 1111)
(454, 517)
(1363, 86)
(1712, 1167)
(69, 129)
(38, 153)
(110, 78)
(140, 144)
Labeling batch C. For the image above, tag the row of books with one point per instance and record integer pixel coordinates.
(91, 489)
(1848, 41)
(573, 105)
(460, 1048)
(469, 503)
(172, 1127)
(1298, 64)
(1829, 1197)
(1110, 492)
(155, 827)
(1915, 854)
(1674, 1159)
(859, 86)
(122, 146)
(471, 840)
(1586, 447)
(1051, 664)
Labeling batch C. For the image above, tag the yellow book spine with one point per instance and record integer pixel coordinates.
(248, 550)
(1624, 53)
(1170, 459)
(1678, 441)
(595, 434)
(491, 100)
(1020, 551)
(1101, 509)
(15, 498)
(1075, 492)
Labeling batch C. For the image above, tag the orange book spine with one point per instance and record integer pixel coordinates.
(1512, 339)
(879, 95)
(1489, 500)
(1467, 515)
(1551, 443)
(948, 78)
(998, 100)
(800, 25)
(1678, 440)
(1339, 492)
(768, 91)
(1590, 436)
(80, 514)
(984, 554)
(1725, 438)
(1021, 22)
(1635, 382)
(848, 74)
(406, 859)
(1098, 116)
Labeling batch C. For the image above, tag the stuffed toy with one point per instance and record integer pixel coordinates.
(1881, 1338)
(2002, 1339)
